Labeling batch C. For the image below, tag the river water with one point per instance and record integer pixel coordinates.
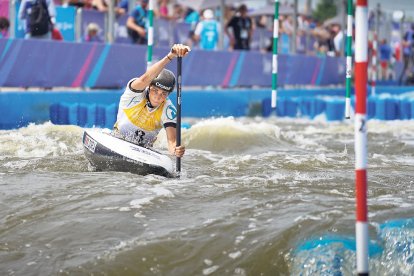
(256, 197)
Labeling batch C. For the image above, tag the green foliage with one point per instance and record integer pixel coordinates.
(324, 10)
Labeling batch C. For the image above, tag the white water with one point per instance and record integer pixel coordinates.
(252, 191)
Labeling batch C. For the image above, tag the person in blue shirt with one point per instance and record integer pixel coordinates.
(408, 52)
(137, 23)
(191, 16)
(385, 57)
(207, 31)
(122, 7)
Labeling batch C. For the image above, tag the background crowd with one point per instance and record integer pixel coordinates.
(244, 29)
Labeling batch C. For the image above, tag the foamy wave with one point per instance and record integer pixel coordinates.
(41, 141)
(229, 134)
(397, 128)
(154, 193)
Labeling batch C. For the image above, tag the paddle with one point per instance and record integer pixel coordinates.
(178, 135)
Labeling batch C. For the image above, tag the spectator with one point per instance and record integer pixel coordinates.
(80, 3)
(100, 5)
(56, 34)
(330, 41)
(284, 35)
(262, 30)
(242, 29)
(178, 13)
(337, 39)
(122, 7)
(385, 58)
(287, 24)
(4, 26)
(322, 39)
(229, 12)
(191, 16)
(408, 52)
(163, 9)
(92, 33)
(322, 50)
(207, 31)
(37, 26)
(397, 50)
(261, 21)
(137, 22)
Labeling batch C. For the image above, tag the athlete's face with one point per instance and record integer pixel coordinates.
(157, 96)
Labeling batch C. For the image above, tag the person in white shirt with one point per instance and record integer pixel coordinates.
(144, 107)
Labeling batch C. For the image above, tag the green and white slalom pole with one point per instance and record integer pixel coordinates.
(374, 61)
(150, 37)
(348, 60)
(274, 57)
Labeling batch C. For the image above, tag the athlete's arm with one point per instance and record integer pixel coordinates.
(178, 50)
(171, 137)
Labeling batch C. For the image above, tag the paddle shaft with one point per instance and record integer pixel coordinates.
(178, 129)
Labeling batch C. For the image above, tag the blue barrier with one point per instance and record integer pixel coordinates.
(73, 114)
(335, 110)
(390, 107)
(412, 108)
(280, 106)
(305, 107)
(405, 109)
(110, 115)
(386, 109)
(371, 107)
(291, 108)
(379, 108)
(48, 63)
(84, 115)
(317, 107)
(266, 107)
(39, 107)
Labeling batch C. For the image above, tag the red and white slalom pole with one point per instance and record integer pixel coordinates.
(361, 78)
(374, 63)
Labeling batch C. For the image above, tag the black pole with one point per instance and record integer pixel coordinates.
(178, 129)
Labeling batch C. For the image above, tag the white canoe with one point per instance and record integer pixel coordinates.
(108, 153)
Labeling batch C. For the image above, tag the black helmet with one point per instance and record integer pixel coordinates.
(165, 80)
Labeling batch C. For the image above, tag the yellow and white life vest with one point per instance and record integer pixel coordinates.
(137, 122)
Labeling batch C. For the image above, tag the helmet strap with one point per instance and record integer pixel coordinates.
(148, 99)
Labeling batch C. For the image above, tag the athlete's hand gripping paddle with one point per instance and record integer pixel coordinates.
(178, 129)
(180, 51)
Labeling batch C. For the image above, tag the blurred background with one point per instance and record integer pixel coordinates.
(310, 27)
